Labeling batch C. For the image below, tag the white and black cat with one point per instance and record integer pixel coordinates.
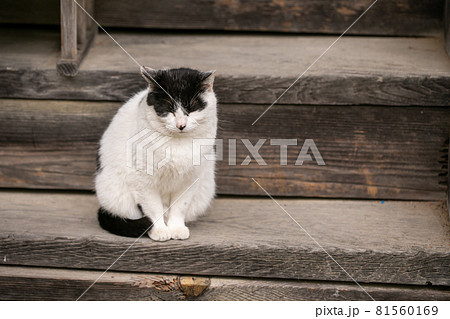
(180, 104)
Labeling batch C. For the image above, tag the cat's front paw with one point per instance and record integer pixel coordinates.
(179, 232)
(159, 233)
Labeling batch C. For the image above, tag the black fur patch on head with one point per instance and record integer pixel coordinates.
(184, 85)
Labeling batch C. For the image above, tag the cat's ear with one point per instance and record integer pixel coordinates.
(208, 79)
(149, 75)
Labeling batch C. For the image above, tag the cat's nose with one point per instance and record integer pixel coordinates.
(181, 126)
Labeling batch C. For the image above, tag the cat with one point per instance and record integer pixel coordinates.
(178, 105)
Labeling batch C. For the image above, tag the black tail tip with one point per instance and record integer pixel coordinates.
(123, 226)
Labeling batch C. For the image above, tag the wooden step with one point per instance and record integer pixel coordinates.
(391, 242)
(373, 151)
(406, 17)
(36, 283)
(250, 68)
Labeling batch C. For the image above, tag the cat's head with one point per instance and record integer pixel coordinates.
(183, 99)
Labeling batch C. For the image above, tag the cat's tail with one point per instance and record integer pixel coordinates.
(123, 226)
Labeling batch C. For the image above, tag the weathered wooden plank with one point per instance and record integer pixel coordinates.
(388, 150)
(406, 17)
(24, 283)
(358, 70)
(390, 242)
(252, 289)
(30, 12)
(373, 152)
(448, 178)
(316, 90)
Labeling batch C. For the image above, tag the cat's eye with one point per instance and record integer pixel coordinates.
(194, 105)
(166, 104)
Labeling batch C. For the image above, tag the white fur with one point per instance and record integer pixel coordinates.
(120, 188)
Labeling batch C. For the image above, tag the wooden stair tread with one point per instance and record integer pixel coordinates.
(390, 242)
(250, 68)
(36, 283)
(271, 55)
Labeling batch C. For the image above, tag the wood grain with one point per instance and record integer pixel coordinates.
(253, 289)
(358, 70)
(390, 242)
(25, 283)
(406, 17)
(369, 152)
(68, 30)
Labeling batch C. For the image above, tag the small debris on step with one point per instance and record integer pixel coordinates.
(194, 286)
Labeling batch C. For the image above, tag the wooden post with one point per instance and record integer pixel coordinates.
(77, 32)
(68, 30)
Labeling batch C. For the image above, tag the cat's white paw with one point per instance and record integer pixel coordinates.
(159, 233)
(179, 232)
